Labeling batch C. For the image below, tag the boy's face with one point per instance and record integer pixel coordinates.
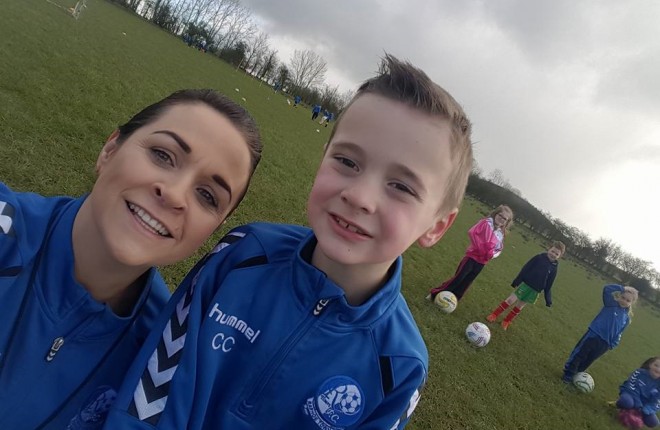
(169, 185)
(381, 184)
(554, 254)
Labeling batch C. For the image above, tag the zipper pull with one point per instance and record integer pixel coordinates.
(57, 344)
(320, 306)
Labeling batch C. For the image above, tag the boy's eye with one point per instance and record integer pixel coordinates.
(346, 162)
(404, 188)
(207, 197)
(161, 156)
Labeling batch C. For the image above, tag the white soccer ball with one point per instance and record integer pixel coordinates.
(584, 382)
(478, 334)
(446, 301)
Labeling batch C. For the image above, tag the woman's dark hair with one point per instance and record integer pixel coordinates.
(238, 116)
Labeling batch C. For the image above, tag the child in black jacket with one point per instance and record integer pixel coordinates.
(537, 275)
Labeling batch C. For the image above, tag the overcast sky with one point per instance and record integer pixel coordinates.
(564, 95)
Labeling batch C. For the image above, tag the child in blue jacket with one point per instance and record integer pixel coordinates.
(286, 327)
(605, 330)
(641, 391)
(78, 284)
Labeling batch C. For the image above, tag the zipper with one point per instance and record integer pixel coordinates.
(57, 344)
(246, 407)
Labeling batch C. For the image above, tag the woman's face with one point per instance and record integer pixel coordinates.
(166, 188)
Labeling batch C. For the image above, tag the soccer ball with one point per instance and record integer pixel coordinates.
(446, 301)
(583, 382)
(478, 334)
(350, 402)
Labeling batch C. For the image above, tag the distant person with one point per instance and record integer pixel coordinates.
(78, 281)
(306, 329)
(315, 111)
(486, 243)
(329, 118)
(605, 330)
(641, 392)
(296, 101)
(536, 276)
(324, 117)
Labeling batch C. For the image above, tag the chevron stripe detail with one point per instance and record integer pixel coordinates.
(6, 218)
(150, 395)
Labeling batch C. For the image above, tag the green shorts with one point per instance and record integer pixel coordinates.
(526, 293)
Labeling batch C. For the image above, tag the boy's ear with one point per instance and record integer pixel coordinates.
(109, 148)
(439, 228)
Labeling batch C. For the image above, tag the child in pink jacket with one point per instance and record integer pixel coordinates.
(486, 243)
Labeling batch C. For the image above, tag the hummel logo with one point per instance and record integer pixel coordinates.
(152, 391)
(320, 305)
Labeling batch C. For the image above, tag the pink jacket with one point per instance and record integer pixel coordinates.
(485, 242)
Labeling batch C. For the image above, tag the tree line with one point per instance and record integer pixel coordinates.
(602, 255)
(229, 32)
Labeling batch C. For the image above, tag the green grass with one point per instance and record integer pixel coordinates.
(66, 84)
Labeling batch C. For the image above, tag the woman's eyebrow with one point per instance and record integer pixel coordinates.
(182, 143)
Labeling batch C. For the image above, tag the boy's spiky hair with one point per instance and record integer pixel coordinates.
(401, 81)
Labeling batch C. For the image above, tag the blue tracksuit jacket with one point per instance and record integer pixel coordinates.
(539, 273)
(644, 390)
(41, 302)
(612, 319)
(260, 339)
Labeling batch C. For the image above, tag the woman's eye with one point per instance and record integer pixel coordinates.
(162, 156)
(208, 197)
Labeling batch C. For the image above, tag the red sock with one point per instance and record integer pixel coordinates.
(514, 313)
(501, 308)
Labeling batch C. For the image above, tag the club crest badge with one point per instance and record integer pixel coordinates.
(92, 415)
(339, 403)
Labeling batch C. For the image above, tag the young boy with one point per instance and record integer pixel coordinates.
(283, 327)
(78, 283)
(536, 276)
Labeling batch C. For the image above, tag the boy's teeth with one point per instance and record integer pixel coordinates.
(348, 226)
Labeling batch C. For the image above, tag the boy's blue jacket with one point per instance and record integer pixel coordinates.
(612, 318)
(41, 301)
(644, 390)
(271, 343)
(539, 273)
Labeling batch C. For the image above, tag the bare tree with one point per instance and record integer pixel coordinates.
(268, 66)
(283, 75)
(602, 248)
(497, 177)
(345, 98)
(476, 169)
(307, 69)
(257, 48)
(239, 26)
(329, 95)
(220, 16)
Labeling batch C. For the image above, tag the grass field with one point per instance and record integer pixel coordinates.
(66, 84)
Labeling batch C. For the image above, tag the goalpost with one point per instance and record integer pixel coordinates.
(77, 9)
(74, 11)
